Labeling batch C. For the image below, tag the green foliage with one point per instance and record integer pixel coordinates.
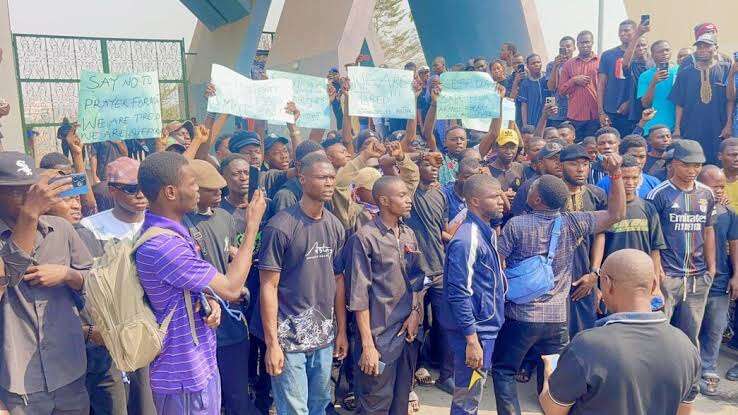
(396, 32)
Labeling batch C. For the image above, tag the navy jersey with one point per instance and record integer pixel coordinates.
(683, 216)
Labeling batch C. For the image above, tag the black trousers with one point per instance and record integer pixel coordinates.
(104, 384)
(515, 340)
(261, 383)
(388, 392)
(233, 365)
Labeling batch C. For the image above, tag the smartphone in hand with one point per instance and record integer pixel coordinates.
(79, 185)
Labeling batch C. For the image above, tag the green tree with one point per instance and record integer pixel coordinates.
(396, 32)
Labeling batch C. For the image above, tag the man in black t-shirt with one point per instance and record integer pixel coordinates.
(214, 232)
(633, 362)
(429, 219)
(641, 227)
(301, 304)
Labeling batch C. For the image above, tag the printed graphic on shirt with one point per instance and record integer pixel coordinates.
(630, 225)
(308, 330)
(318, 251)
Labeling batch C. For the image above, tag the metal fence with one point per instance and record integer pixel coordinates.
(48, 68)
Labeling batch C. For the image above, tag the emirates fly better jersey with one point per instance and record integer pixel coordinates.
(684, 215)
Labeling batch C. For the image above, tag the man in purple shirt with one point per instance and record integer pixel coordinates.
(184, 376)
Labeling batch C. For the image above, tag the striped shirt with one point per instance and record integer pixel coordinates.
(166, 266)
(582, 99)
(527, 236)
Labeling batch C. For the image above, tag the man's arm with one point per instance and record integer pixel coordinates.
(274, 359)
(601, 83)
(630, 50)
(339, 305)
(230, 285)
(709, 249)
(684, 409)
(75, 148)
(430, 118)
(524, 112)
(616, 199)
(678, 121)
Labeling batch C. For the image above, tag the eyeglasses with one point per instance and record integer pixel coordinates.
(129, 189)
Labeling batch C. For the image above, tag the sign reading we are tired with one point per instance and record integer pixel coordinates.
(118, 106)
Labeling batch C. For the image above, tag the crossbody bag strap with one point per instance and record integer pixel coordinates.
(190, 316)
(554, 242)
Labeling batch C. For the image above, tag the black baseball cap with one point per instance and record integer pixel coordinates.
(272, 139)
(17, 169)
(551, 149)
(242, 139)
(689, 151)
(573, 152)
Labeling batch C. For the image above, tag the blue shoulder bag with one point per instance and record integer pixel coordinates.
(533, 276)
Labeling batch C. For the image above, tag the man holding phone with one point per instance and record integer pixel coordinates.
(654, 87)
(43, 347)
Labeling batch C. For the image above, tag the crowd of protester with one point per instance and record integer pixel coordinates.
(591, 243)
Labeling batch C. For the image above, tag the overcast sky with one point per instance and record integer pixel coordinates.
(169, 19)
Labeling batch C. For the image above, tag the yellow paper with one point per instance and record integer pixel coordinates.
(475, 377)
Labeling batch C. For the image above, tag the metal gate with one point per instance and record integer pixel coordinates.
(48, 68)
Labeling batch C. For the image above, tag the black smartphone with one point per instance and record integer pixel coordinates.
(254, 175)
(663, 66)
(562, 51)
(520, 68)
(79, 184)
(645, 19)
(205, 309)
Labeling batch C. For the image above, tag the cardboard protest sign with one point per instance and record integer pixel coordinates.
(240, 96)
(310, 97)
(482, 124)
(378, 92)
(118, 106)
(467, 95)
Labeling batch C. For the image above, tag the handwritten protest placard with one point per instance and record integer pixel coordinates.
(378, 92)
(467, 95)
(238, 95)
(311, 98)
(118, 106)
(482, 124)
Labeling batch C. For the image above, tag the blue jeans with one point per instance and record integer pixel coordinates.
(513, 343)
(304, 387)
(711, 332)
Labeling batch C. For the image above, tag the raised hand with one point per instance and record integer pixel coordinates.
(292, 109)
(210, 90)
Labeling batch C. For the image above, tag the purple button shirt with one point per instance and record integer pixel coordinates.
(166, 266)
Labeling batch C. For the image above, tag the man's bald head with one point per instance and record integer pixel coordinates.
(631, 280)
(710, 173)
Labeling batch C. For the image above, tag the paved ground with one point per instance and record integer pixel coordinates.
(435, 402)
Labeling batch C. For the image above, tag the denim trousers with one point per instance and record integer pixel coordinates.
(304, 386)
(515, 340)
(714, 323)
(684, 303)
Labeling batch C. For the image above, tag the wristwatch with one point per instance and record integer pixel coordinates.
(595, 271)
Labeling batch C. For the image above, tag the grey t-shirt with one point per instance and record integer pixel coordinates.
(635, 364)
(428, 218)
(303, 250)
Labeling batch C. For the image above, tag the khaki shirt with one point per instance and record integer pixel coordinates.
(43, 346)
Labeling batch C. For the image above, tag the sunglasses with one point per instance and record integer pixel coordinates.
(129, 189)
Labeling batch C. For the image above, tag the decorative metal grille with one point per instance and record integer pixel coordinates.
(48, 69)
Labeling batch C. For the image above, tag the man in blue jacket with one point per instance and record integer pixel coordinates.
(474, 290)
